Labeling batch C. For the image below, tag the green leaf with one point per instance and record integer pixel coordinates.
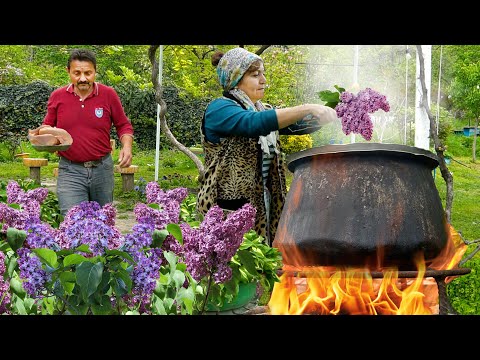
(155, 206)
(15, 238)
(12, 264)
(122, 282)
(73, 259)
(246, 258)
(179, 278)
(158, 237)
(30, 306)
(15, 206)
(102, 309)
(158, 306)
(329, 96)
(331, 104)
(80, 309)
(122, 254)
(47, 256)
(67, 279)
(17, 288)
(169, 306)
(83, 248)
(176, 231)
(89, 277)
(20, 307)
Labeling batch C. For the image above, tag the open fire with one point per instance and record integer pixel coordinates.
(329, 290)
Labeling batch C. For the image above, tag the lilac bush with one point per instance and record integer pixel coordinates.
(87, 266)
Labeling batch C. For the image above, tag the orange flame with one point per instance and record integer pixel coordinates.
(331, 290)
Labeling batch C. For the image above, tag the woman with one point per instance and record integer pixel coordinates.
(240, 138)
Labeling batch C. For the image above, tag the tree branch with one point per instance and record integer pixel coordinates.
(163, 110)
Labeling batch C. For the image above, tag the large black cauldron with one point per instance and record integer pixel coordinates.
(362, 204)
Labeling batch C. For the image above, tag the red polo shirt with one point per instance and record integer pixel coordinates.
(89, 121)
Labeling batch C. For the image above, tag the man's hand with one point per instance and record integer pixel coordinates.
(125, 156)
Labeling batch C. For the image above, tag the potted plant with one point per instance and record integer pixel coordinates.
(254, 273)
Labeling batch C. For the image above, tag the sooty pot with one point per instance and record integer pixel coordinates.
(362, 204)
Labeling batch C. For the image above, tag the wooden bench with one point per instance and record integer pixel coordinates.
(127, 173)
(35, 165)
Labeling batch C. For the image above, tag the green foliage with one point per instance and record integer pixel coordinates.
(254, 261)
(23, 107)
(463, 290)
(171, 296)
(445, 126)
(295, 143)
(331, 98)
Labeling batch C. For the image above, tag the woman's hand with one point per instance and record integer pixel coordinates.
(324, 114)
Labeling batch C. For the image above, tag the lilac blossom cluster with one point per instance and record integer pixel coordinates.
(89, 223)
(354, 111)
(144, 277)
(4, 287)
(86, 223)
(169, 212)
(146, 271)
(29, 202)
(32, 273)
(209, 248)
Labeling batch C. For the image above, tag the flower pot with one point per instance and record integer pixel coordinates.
(246, 293)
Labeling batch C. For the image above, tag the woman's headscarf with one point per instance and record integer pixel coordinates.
(233, 64)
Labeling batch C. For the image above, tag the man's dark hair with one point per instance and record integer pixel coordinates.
(82, 55)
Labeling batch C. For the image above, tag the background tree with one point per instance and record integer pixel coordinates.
(465, 87)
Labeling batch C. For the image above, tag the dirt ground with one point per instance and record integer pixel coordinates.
(125, 221)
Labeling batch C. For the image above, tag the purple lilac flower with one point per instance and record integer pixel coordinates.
(169, 202)
(4, 287)
(169, 212)
(15, 194)
(41, 235)
(29, 201)
(2, 263)
(4, 296)
(144, 277)
(354, 110)
(31, 272)
(11, 217)
(155, 195)
(209, 249)
(141, 235)
(88, 223)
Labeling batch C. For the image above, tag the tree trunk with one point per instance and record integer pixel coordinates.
(439, 147)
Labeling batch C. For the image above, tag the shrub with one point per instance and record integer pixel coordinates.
(295, 143)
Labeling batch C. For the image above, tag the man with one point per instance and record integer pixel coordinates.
(87, 110)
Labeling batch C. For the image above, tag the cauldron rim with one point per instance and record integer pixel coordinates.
(355, 148)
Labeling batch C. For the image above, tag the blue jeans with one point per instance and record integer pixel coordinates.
(77, 183)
